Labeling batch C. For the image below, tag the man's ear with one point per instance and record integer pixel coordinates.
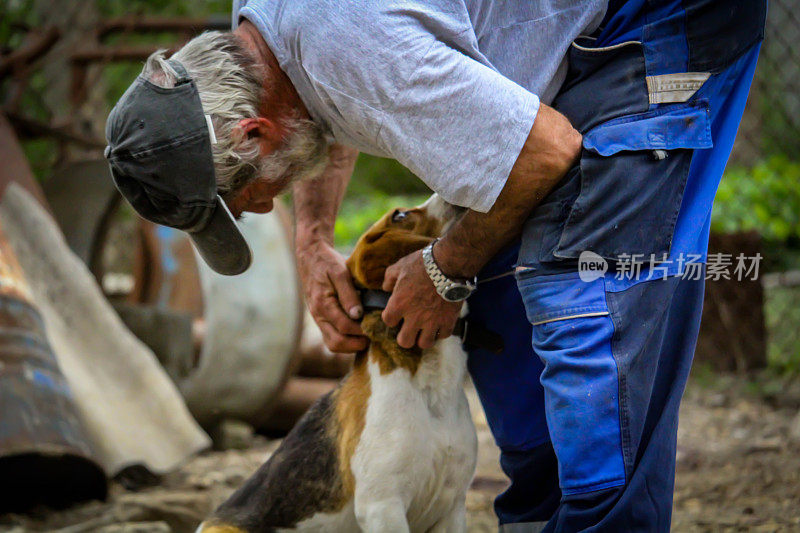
(268, 133)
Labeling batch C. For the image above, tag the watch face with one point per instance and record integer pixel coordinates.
(456, 294)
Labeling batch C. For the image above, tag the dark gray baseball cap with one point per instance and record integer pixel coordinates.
(159, 149)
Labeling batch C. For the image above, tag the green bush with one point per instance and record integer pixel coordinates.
(782, 316)
(377, 186)
(359, 212)
(764, 198)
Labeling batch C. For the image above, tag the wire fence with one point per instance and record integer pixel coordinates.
(771, 123)
(771, 127)
(782, 318)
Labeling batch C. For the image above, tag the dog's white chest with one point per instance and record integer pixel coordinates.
(418, 442)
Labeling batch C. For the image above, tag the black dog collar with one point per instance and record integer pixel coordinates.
(473, 335)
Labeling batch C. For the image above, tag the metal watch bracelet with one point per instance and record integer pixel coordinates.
(450, 289)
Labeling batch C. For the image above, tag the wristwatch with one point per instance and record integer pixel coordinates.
(452, 290)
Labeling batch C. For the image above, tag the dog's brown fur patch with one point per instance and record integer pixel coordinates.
(381, 246)
(386, 242)
(351, 410)
(384, 349)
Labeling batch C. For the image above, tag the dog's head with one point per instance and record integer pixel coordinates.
(397, 234)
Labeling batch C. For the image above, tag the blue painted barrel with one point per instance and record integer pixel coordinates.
(45, 457)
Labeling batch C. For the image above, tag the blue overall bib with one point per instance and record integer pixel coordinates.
(583, 402)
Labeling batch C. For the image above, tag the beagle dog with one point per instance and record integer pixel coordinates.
(393, 448)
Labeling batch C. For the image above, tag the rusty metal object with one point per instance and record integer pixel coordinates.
(109, 370)
(294, 400)
(249, 326)
(165, 331)
(18, 64)
(80, 195)
(167, 275)
(97, 53)
(37, 44)
(138, 23)
(253, 328)
(45, 456)
(319, 362)
(29, 128)
(165, 271)
(100, 54)
(15, 167)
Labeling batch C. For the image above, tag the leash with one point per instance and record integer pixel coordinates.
(472, 334)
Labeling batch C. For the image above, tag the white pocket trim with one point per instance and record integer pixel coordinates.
(582, 315)
(604, 48)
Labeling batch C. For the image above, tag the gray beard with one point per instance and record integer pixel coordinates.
(304, 154)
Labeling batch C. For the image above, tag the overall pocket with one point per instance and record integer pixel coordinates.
(572, 334)
(632, 174)
(603, 83)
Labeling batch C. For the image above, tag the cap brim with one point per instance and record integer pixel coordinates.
(221, 243)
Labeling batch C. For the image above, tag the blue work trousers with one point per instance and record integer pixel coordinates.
(583, 402)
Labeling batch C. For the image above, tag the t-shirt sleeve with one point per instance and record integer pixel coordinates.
(236, 6)
(459, 125)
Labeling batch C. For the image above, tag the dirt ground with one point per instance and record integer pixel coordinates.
(738, 470)
(738, 459)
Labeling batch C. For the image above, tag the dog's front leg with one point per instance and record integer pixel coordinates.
(379, 515)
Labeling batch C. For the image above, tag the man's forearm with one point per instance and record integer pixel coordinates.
(317, 201)
(331, 297)
(551, 149)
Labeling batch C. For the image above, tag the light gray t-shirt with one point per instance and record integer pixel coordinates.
(447, 87)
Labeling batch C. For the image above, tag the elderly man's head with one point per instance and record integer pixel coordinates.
(255, 157)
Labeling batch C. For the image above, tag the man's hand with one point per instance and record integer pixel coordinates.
(426, 316)
(331, 297)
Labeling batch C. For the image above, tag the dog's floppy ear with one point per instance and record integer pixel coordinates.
(372, 236)
(377, 252)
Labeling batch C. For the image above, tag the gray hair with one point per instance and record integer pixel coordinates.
(231, 89)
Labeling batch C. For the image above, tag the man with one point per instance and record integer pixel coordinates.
(586, 414)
